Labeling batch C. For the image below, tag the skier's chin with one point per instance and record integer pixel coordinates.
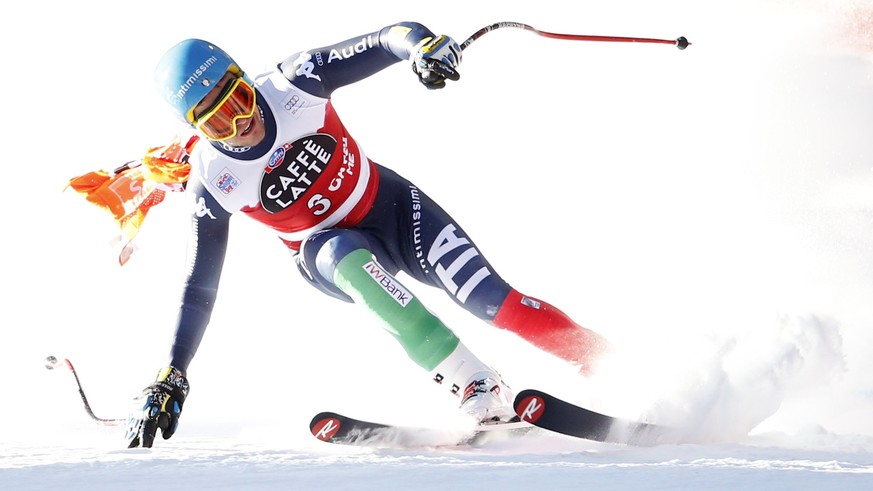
(248, 127)
(251, 133)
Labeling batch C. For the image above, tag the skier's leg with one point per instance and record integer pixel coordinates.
(442, 254)
(343, 261)
(465, 273)
(346, 261)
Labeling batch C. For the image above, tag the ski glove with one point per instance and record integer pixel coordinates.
(159, 406)
(436, 61)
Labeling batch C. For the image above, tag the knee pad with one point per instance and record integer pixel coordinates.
(320, 253)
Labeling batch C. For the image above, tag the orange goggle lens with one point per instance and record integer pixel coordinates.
(237, 101)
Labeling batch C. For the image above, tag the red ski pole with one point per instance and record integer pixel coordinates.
(680, 42)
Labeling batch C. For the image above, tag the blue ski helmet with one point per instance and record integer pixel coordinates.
(188, 71)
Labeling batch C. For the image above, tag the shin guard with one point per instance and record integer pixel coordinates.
(425, 338)
(550, 330)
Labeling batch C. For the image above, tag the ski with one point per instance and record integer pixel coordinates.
(337, 428)
(551, 413)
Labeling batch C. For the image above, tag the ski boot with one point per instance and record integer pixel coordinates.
(488, 399)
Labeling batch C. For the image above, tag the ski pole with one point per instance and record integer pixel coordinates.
(51, 362)
(680, 42)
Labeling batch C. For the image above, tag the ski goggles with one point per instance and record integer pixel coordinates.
(236, 101)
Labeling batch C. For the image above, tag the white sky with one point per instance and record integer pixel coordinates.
(678, 201)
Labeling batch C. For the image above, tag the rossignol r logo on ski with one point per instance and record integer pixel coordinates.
(325, 429)
(530, 409)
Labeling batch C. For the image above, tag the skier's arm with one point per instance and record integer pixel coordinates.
(160, 404)
(206, 250)
(321, 71)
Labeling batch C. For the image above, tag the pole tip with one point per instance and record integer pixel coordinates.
(682, 42)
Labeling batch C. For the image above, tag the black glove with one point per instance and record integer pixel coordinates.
(159, 406)
(437, 61)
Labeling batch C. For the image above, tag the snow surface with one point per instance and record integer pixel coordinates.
(709, 210)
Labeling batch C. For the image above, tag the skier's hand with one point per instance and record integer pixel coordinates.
(159, 406)
(436, 61)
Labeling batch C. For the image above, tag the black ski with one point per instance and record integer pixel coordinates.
(551, 413)
(337, 428)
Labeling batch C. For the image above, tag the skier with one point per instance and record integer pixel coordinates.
(275, 150)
